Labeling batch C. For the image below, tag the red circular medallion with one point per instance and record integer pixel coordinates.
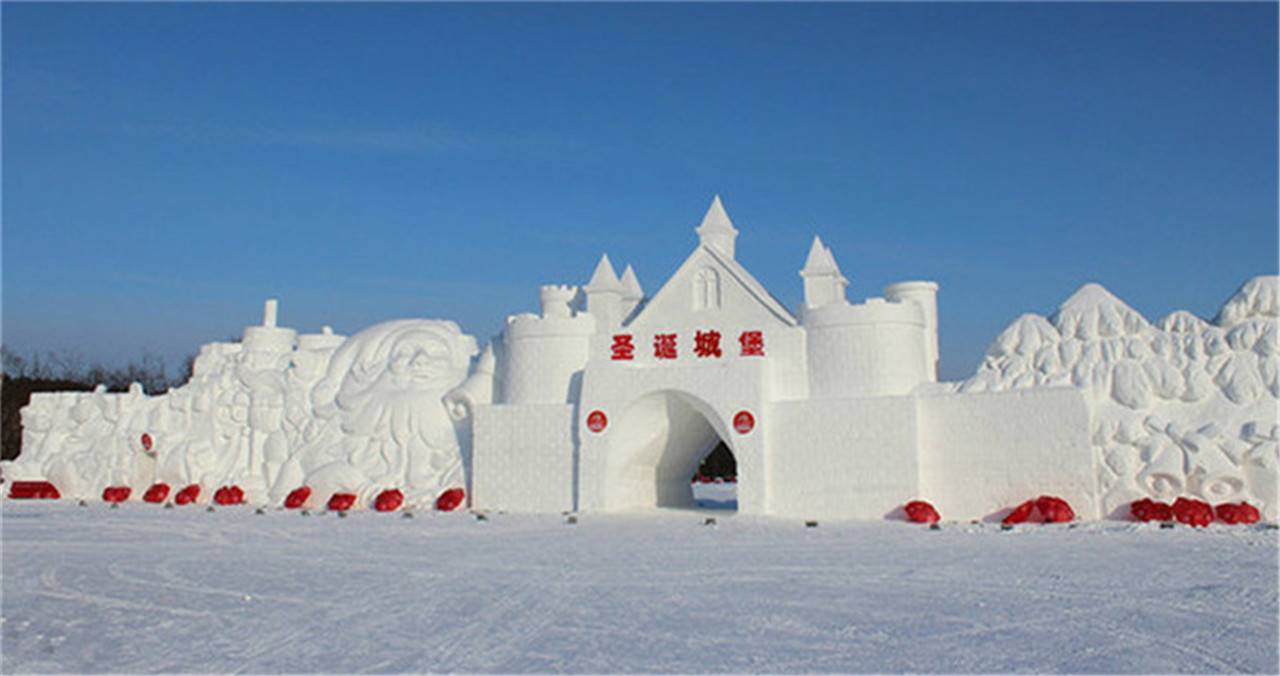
(597, 421)
(146, 442)
(744, 422)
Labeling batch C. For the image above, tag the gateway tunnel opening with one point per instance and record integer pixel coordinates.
(666, 453)
(715, 484)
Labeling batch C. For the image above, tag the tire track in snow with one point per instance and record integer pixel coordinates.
(50, 587)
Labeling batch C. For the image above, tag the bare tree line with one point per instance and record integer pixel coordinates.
(24, 374)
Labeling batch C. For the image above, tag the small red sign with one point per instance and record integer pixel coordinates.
(744, 422)
(146, 442)
(597, 421)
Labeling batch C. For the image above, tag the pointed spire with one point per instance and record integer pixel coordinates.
(823, 282)
(820, 260)
(717, 230)
(604, 278)
(631, 285)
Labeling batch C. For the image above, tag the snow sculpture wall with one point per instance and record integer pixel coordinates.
(270, 414)
(381, 420)
(1180, 408)
(608, 399)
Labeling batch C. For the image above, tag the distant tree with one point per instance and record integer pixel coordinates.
(24, 375)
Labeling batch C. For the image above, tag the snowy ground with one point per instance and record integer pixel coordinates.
(143, 589)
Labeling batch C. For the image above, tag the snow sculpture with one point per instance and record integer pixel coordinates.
(1181, 408)
(608, 399)
(268, 415)
(381, 418)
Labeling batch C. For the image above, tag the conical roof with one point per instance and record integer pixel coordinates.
(820, 261)
(604, 278)
(631, 285)
(717, 230)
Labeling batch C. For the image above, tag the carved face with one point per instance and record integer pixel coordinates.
(420, 359)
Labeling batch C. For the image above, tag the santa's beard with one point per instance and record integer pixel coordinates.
(401, 434)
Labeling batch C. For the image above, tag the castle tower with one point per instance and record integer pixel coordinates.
(924, 294)
(717, 231)
(543, 355)
(823, 283)
(632, 294)
(557, 300)
(269, 338)
(604, 294)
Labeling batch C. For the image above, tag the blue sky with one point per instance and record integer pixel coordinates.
(167, 167)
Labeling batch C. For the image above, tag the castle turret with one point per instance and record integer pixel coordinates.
(823, 283)
(269, 337)
(632, 294)
(717, 231)
(924, 294)
(604, 294)
(557, 300)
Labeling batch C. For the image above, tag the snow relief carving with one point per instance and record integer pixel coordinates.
(271, 414)
(1184, 407)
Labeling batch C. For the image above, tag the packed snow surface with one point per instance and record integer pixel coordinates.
(142, 589)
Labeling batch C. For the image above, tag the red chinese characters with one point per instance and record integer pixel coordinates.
(623, 349)
(664, 345)
(707, 344)
(752, 343)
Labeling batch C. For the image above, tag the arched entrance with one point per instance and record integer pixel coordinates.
(715, 482)
(656, 448)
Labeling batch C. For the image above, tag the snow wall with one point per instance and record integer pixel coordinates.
(1182, 407)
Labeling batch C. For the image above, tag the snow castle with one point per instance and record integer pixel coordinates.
(608, 399)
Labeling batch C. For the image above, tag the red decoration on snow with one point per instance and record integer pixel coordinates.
(1238, 513)
(1046, 508)
(389, 500)
(297, 497)
(1054, 510)
(1020, 514)
(744, 422)
(919, 511)
(157, 493)
(341, 502)
(1192, 512)
(1147, 509)
(752, 343)
(33, 490)
(664, 345)
(597, 421)
(707, 344)
(450, 500)
(116, 493)
(187, 495)
(623, 349)
(229, 495)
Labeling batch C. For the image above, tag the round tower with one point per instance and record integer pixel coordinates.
(873, 349)
(543, 355)
(924, 294)
(269, 338)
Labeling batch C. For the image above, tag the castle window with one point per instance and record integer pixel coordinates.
(706, 289)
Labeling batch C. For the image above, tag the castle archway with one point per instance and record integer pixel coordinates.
(657, 447)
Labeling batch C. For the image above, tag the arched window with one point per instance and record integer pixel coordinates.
(706, 289)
